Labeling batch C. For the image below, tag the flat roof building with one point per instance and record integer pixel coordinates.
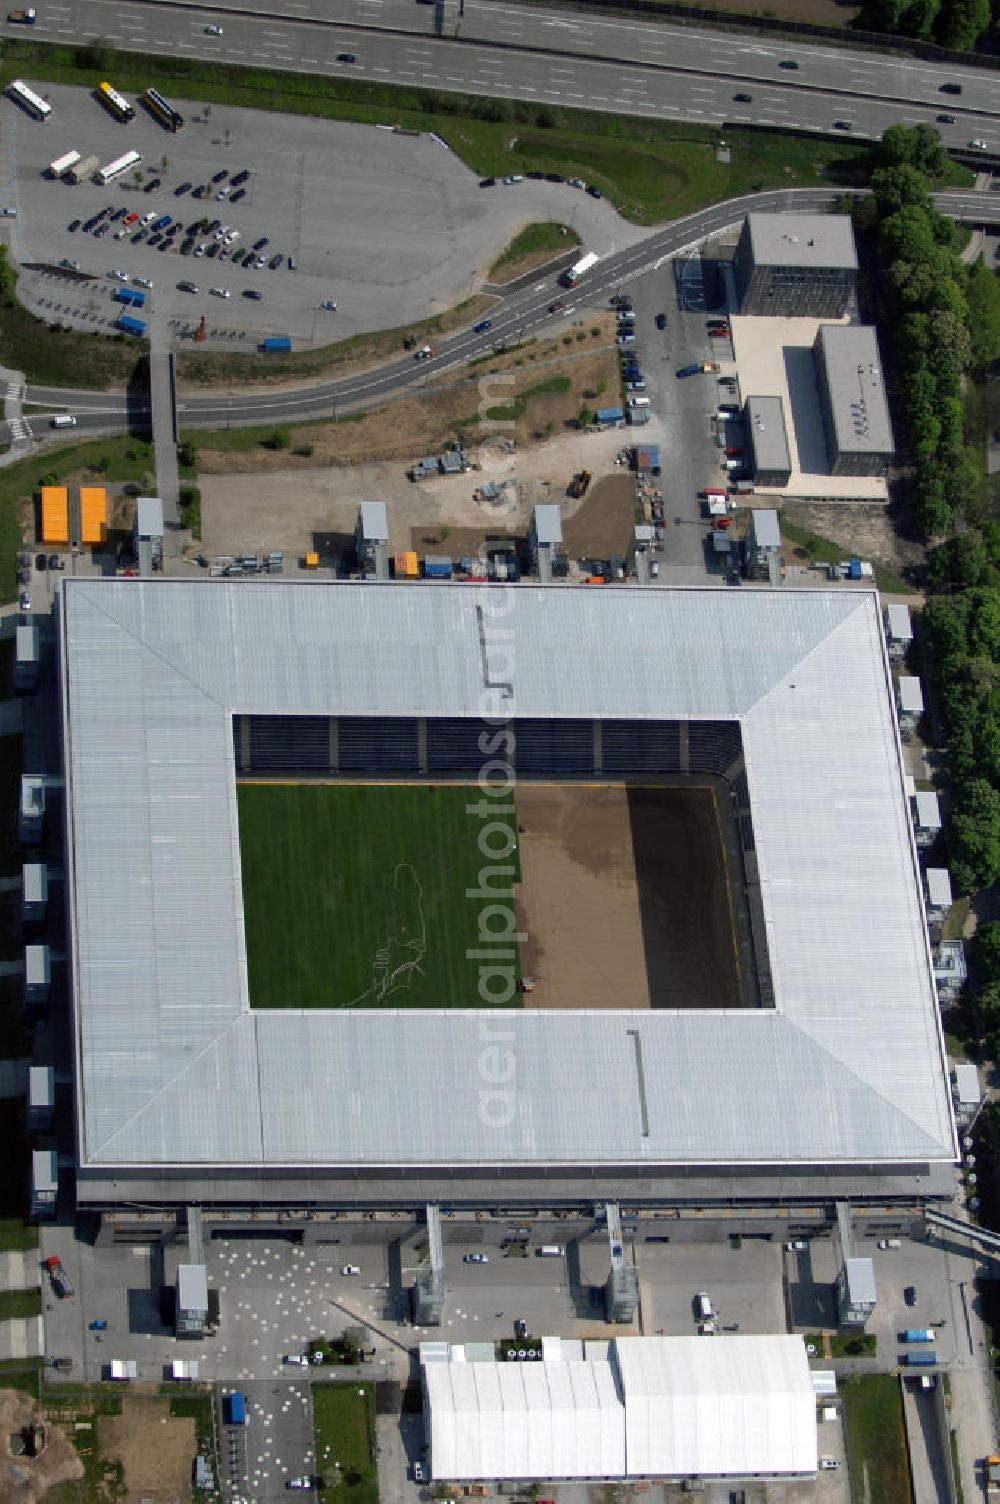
(184, 1090)
(852, 399)
(796, 265)
(764, 426)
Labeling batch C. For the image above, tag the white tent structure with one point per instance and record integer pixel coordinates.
(665, 1407)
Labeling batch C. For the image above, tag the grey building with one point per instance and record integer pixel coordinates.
(937, 893)
(909, 704)
(31, 809)
(371, 539)
(545, 538)
(852, 400)
(37, 973)
(34, 891)
(26, 657)
(796, 265)
(770, 457)
(41, 1096)
(763, 546)
(898, 632)
(44, 1183)
(148, 538)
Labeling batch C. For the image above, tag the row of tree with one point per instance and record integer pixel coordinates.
(946, 318)
(956, 24)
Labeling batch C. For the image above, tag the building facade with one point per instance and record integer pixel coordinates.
(796, 265)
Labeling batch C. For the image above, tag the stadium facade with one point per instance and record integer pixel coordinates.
(836, 1086)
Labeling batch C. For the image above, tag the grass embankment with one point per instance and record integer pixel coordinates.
(55, 356)
(20, 1303)
(344, 1426)
(355, 896)
(533, 247)
(820, 550)
(845, 1344)
(876, 1444)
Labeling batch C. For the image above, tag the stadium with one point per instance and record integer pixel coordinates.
(388, 894)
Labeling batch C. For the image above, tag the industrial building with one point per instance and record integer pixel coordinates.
(764, 426)
(672, 1408)
(172, 689)
(796, 265)
(147, 541)
(852, 399)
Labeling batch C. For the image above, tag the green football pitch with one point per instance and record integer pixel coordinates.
(354, 896)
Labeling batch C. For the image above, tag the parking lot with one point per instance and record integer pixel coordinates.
(388, 226)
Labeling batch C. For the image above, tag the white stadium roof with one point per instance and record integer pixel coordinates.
(175, 1069)
(665, 1407)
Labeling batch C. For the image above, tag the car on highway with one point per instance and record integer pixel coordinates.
(743, 99)
(351, 1269)
(187, 287)
(220, 292)
(950, 89)
(843, 125)
(788, 63)
(555, 307)
(475, 1258)
(977, 145)
(347, 57)
(945, 119)
(329, 306)
(213, 30)
(252, 292)
(424, 353)
(73, 225)
(482, 326)
(661, 321)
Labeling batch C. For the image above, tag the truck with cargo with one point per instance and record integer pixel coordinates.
(918, 1334)
(128, 325)
(279, 344)
(63, 164)
(57, 1274)
(572, 274)
(25, 17)
(122, 1370)
(234, 1409)
(83, 170)
(923, 1358)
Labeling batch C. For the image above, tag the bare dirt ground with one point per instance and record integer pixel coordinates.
(605, 521)
(624, 898)
(866, 531)
(156, 1449)
(24, 1480)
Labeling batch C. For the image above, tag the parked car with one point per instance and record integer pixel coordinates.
(843, 125)
(221, 175)
(276, 261)
(329, 306)
(252, 292)
(419, 1473)
(661, 321)
(828, 1464)
(187, 287)
(487, 182)
(152, 185)
(24, 601)
(73, 225)
(220, 292)
(296, 1360)
(351, 1269)
(235, 197)
(475, 1258)
(797, 1245)
(977, 145)
(259, 245)
(910, 1294)
(181, 189)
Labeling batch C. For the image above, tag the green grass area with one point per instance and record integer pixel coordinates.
(845, 1344)
(49, 354)
(17, 1236)
(355, 896)
(876, 1446)
(529, 247)
(510, 412)
(344, 1425)
(16, 1303)
(822, 550)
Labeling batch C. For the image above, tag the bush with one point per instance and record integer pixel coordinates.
(190, 509)
(304, 450)
(187, 454)
(278, 438)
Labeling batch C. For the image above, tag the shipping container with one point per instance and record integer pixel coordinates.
(278, 345)
(918, 1334)
(437, 567)
(129, 325)
(922, 1359)
(234, 1409)
(130, 296)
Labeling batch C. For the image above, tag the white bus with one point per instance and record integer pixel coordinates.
(64, 163)
(18, 90)
(115, 169)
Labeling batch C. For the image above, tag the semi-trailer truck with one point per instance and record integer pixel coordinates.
(924, 1358)
(918, 1334)
(24, 17)
(572, 274)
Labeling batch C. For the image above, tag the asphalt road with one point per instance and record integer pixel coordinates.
(503, 51)
(518, 315)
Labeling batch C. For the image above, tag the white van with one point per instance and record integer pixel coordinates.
(639, 402)
(704, 1307)
(63, 420)
(550, 1251)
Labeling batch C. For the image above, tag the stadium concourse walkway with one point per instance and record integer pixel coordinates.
(163, 415)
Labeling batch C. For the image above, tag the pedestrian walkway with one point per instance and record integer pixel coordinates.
(20, 1270)
(20, 429)
(22, 1338)
(163, 414)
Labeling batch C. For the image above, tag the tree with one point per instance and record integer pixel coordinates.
(933, 509)
(985, 954)
(900, 184)
(984, 623)
(907, 233)
(983, 318)
(974, 836)
(957, 563)
(961, 23)
(917, 146)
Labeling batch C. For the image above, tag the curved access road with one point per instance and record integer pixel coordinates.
(521, 312)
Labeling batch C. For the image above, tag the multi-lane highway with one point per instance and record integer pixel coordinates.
(521, 313)
(506, 51)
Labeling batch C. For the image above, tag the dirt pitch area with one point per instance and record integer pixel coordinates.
(624, 897)
(25, 1480)
(156, 1449)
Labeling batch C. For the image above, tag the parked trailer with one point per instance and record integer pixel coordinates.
(112, 170)
(128, 325)
(234, 1409)
(278, 345)
(572, 274)
(922, 1359)
(918, 1334)
(84, 170)
(63, 164)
